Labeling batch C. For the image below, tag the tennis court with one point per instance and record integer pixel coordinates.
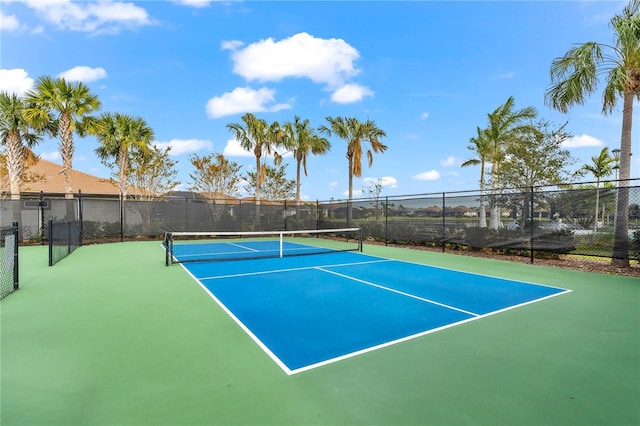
(112, 336)
(308, 311)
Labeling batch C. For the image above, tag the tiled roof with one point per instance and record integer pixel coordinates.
(53, 181)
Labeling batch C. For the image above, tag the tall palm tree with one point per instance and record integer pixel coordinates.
(504, 126)
(355, 132)
(15, 135)
(576, 75)
(255, 134)
(69, 107)
(481, 145)
(120, 137)
(301, 139)
(602, 166)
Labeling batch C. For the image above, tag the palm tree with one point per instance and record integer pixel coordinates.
(602, 166)
(480, 144)
(255, 134)
(504, 126)
(576, 74)
(15, 135)
(355, 133)
(120, 137)
(68, 106)
(301, 139)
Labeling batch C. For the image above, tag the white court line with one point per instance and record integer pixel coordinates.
(243, 247)
(302, 268)
(413, 296)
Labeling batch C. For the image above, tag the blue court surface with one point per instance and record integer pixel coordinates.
(309, 311)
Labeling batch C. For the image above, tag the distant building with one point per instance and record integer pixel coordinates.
(51, 181)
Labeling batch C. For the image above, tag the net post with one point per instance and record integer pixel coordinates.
(360, 239)
(281, 245)
(167, 250)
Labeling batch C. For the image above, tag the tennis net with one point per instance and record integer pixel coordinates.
(183, 247)
(64, 238)
(8, 260)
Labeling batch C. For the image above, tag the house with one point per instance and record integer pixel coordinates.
(50, 180)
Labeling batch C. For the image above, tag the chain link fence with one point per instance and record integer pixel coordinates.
(539, 222)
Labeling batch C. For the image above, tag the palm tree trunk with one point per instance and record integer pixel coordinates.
(298, 190)
(14, 164)
(256, 223)
(349, 203)
(66, 152)
(483, 211)
(494, 220)
(620, 256)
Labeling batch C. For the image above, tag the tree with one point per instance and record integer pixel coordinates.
(536, 158)
(26, 177)
(355, 132)
(121, 136)
(504, 125)
(575, 75)
(602, 166)
(67, 107)
(301, 139)
(151, 174)
(258, 136)
(16, 135)
(275, 185)
(481, 145)
(215, 175)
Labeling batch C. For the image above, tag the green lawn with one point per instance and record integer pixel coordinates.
(110, 336)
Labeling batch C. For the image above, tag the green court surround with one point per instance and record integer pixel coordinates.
(110, 336)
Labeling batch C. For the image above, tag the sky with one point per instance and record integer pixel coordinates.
(426, 72)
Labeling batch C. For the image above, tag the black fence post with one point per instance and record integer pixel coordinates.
(444, 236)
(532, 232)
(50, 232)
(121, 217)
(284, 215)
(386, 221)
(80, 216)
(16, 274)
(41, 217)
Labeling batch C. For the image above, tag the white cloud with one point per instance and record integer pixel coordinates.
(231, 44)
(503, 76)
(242, 100)
(15, 81)
(387, 181)
(329, 61)
(8, 22)
(581, 141)
(350, 93)
(84, 74)
(50, 156)
(428, 176)
(98, 17)
(195, 3)
(450, 161)
(183, 146)
(356, 193)
(424, 116)
(233, 149)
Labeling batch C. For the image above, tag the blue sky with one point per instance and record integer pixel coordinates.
(426, 72)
